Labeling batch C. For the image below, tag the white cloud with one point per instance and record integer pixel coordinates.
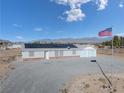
(38, 29)
(76, 13)
(72, 3)
(102, 4)
(120, 34)
(19, 37)
(60, 17)
(121, 5)
(17, 25)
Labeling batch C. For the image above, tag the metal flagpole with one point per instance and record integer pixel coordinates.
(112, 55)
(112, 41)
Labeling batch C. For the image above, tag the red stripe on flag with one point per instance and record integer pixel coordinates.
(105, 33)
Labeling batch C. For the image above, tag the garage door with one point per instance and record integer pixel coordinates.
(87, 53)
(84, 53)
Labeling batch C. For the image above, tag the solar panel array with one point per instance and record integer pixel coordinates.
(29, 45)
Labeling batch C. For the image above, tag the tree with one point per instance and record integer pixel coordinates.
(107, 43)
(121, 41)
(116, 41)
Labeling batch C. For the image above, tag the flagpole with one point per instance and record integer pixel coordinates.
(112, 47)
(112, 42)
(108, 32)
(112, 56)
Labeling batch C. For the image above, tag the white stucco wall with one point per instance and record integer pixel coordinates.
(25, 54)
(40, 54)
(83, 53)
(14, 46)
(67, 53)
(52, 53)
(87, 52)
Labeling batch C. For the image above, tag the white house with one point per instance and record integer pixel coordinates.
(13, 46)
(49, 51)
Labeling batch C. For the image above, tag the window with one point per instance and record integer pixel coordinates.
(56, 53)
(31, 53)
(74, 52)
(61, 53)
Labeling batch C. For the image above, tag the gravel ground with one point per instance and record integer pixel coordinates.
(96, 84)
(50, 76)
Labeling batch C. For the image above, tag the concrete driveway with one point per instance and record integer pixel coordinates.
(50, 76)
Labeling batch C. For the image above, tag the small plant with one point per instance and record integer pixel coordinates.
(114, 90)
(118, 79)
(109, 87)
(102, 80)
(87, 86)
(64, 90)
(104, 86)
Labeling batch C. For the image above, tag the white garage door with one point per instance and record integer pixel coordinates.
(84, 53)
(88, 53)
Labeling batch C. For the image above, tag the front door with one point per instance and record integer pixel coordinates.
(47, 55)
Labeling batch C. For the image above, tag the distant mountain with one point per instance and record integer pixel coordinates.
(89, 40)
(5, 41)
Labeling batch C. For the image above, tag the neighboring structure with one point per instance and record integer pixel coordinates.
(4, 44)
(14, 45)
(48, 51)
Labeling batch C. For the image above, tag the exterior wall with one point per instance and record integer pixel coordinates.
(14, 46)
(61, 53)
(39, 54)
(83, 53)
(88, 53)
(51, 53)
(67, 53)
(36, 54)
(58, 53)
(25, 54)
(92, 53)
(78, 52)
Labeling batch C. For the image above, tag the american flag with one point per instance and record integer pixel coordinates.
(106, 32)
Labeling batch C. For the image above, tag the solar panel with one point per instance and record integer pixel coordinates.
(50, 46)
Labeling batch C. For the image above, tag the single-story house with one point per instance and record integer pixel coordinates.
(49, 51)
(13, 46)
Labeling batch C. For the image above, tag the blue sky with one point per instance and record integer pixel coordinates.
(26, 20)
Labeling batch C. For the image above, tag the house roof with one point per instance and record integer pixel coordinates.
(29, 45)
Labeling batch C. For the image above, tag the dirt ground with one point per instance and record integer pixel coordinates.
(80, 84)
(6, 57)
(118, 53)
(96, 84)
